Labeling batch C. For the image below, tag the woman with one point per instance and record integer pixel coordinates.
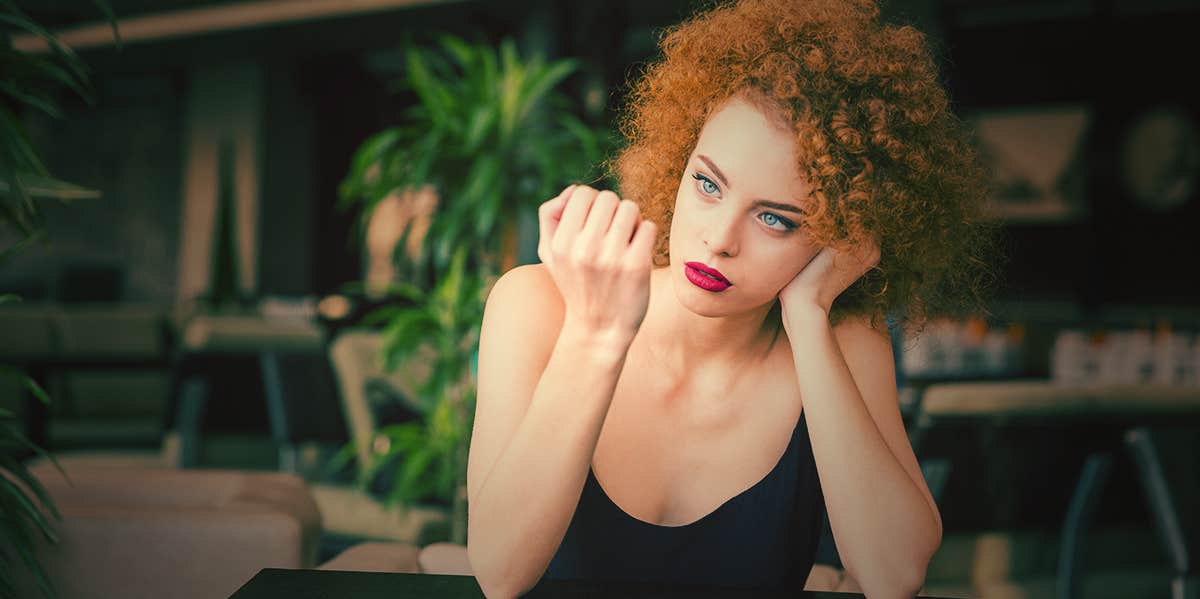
(677, 398)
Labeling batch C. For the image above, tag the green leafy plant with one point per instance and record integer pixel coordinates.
(28, 82)
(494, 137)
(22, 521)
(32, 82)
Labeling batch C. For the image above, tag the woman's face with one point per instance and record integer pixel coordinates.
(736, 212)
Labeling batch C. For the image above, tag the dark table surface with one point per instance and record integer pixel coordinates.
(274, 583)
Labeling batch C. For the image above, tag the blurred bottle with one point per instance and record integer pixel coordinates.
(1172, 353)
(1072, 358)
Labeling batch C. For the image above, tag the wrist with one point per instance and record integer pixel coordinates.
(805, 315)
(603, 343)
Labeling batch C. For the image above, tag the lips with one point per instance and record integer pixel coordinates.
(705, 277)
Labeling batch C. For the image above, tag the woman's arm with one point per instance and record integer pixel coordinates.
(883, 517)
(551, 349)
(534, 435)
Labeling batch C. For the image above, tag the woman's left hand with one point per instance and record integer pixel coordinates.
(825, 277)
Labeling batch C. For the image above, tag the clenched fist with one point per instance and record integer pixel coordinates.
(597, 249)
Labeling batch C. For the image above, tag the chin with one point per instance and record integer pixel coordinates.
(701, 302)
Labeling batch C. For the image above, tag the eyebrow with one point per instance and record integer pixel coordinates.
(766, 203)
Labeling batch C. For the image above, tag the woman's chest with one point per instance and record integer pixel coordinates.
(671, 453)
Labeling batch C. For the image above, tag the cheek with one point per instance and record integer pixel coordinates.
(794, 261)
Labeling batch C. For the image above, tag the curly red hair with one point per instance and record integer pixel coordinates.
(886, 158)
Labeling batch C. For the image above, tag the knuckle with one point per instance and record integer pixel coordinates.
(608, 196)
(558, 248)
(578, 255)
(626, 215)
(584, 191)
(610, 259)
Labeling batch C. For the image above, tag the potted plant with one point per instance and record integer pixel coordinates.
(28, 82)
(493, 137)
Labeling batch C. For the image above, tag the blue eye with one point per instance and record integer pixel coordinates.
(771, 219)
(706, 184)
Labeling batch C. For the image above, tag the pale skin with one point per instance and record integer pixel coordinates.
(673, 395)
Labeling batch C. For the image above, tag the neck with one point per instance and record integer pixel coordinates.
(686, 343)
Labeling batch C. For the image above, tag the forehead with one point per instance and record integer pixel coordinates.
(753, 150)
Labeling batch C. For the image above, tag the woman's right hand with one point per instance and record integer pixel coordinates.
(598, 249)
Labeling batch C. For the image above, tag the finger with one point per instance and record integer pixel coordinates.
(549, 215)
(554, 206)
(624, 222)
(579, 202)
(643, 241)
(600, 216)
(551, 211)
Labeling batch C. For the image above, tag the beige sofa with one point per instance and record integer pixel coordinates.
(161, 532)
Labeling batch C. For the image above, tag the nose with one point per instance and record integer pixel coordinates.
(721, 235)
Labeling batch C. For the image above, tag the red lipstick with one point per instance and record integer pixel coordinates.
(705, 277)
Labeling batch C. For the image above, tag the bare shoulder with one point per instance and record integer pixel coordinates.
(521, 323)
(525, 296)
(859, 333)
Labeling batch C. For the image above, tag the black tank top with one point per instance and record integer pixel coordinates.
(764, 538)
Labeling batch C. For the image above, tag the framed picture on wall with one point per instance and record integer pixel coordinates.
(1036, 160)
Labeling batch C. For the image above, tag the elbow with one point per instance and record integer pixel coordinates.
(495, 574)
(492, 581)
(905, 586)
(899, 580)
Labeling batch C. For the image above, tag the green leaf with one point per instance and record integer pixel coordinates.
(512, 81)
(482, 182)
(26, 553)
(489, 211)
(64, 54)
(45, 187)
(26, 70)
(19, 149)
(33, 387)
(412, 469)
(404, 335)
(18, 470)
(27, 509)
(9, 252)
(462, 52)
(367, 157)
(450, 289)
(37, 99)
(112, 20)
(489, 78)
(434, 96)
(15, 436)
(542, 82)
(430, 153)
(406, 437)
(339, 461)
(482, 122)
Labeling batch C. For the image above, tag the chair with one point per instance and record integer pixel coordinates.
(1172, 503)
(1121, 560)
(348, 511)
(133, 532)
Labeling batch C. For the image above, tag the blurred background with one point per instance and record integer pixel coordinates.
(284, 215)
